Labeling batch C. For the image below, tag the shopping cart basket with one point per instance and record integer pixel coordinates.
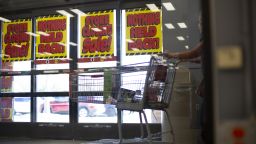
(151, 92)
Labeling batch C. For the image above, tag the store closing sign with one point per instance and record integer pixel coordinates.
(97, 36)
(16, 43)
(143, 32)
(52, 39)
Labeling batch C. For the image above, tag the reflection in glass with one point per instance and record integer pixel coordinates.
(15, 84)
(21, 109)
(92, 110)
(52, 82)
(53, 109)
(16, 66)
(90, 82)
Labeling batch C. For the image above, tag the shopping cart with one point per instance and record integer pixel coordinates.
(151, 92)
(134, 87)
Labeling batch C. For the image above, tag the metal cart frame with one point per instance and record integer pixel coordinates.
(158, 83)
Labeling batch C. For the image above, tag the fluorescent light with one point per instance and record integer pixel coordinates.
(4, 19)
(47, 53)
(72, 43)
(169, 26)
(182, 25)
(32, 34)
(78, 12)
(104, 28)
(169, 6)
(135, 49)
(5, 55)
(129, 41)
(17, 45)
(43, 33)
(152, 7)
(186, 46)
(181, 38)
(60, 43)
(65, 13)
(96, 29)
(103, 57)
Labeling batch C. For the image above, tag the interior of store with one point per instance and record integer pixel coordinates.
(98, 71)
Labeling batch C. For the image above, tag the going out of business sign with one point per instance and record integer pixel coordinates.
(16, 42)
(52, 39)
(143, 32)
(97, 34)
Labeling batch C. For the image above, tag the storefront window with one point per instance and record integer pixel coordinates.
(53, 109)
(15, 84)
(91, 109)
(52, 83)
(140, 40)
(15, 109)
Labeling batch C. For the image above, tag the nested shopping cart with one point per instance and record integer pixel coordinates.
(143, 88)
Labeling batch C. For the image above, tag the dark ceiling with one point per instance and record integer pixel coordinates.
(13, 5)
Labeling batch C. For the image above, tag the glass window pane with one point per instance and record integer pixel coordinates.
(6, 109)
(15, 84)
(90, 82)
(21, 109)
(91, 109)
(135, 81)
(16, 66)
(126, 59)
(15, 109)
(52, 83)
(51, 66)
(53, 109)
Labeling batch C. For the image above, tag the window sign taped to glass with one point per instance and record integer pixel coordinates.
(52, 38)
(16, 43)
(143, 32)
(97, 34)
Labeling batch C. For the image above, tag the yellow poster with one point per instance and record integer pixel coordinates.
(51, 41)
(143, 32)
(16, 41)
(97, 34)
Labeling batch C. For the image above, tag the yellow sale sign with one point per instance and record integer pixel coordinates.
(16, 42)
(51, 41)
(97, 34)
(143, 32)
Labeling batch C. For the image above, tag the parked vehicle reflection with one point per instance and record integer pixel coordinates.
(87, 106)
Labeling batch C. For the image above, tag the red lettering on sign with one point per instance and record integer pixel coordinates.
(17, 51)
(17, 28)
(100, 44)
(16, 38)
(143, 19)
(53, 37)
(52, 48)
(87, 31)
(144, 44)
(140, 32)
(52, 25)
(97, 20)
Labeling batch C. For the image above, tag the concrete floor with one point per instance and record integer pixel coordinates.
(46, 141)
